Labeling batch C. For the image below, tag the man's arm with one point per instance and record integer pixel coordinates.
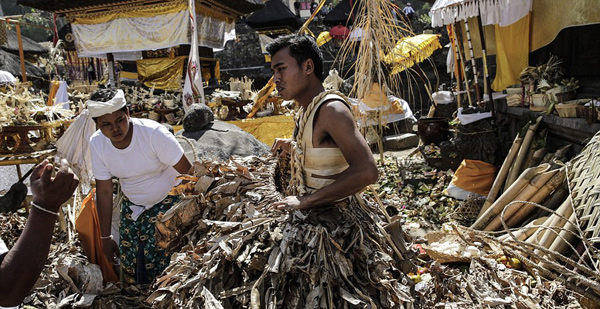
(335, 119)
(104, 200)
(23, 264)
(183, 166)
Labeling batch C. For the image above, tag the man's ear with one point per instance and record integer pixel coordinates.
(309, 66)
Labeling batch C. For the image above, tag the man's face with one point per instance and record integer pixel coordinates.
(288, 76)
(115, 126)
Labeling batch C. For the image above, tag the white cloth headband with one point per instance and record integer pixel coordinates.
(98, 108)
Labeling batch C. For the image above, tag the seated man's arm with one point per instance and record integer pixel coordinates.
(23, 264)
(337, 121)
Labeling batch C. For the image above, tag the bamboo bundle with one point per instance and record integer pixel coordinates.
(537, 157)
(547, 232)
(566, 236)
(525, 231)
(501, 177)
(516, 169)
(536, 188)
(509, 195)
(552, 184)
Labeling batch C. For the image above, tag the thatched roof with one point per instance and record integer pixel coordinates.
(12, 64)
(340, 14)
(275, 15)
(60, 6)
(29, 46)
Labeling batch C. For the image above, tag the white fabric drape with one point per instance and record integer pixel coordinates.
(211, 31)
(503, 12)
(132, 34)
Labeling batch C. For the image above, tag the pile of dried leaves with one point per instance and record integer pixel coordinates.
(240, 252)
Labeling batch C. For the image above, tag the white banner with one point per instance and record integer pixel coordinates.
(132, 34)
(211, 31)
(192, 89)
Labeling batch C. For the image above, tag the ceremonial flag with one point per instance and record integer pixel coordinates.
(192, 89)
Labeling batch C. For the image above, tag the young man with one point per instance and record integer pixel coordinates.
(337, 161)
(146, 158)
(21, 266)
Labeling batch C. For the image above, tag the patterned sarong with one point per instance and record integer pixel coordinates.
(142, 259)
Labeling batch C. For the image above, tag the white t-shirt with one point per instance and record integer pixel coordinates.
(145, 168)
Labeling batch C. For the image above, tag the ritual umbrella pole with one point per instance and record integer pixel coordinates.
(486, 73)
(462, 61)
(453, 48)
(21, 54)
(111, 69)
(473, 64)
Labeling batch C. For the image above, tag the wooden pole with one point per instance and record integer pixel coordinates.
(459, 80)
(478, 95)
(486, 73)
(111, 69)
(21, 54)
(462, 61)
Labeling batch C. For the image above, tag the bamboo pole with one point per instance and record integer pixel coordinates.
(544, 236)
(486, 73)
(456, 26)
(478, 94)
(565, 237)
(526, 231)
(501, 177)
(534, 189)
(508, 196)
(518, 164)
(21, 53)
(537, 157)
(459, 80)
(526, 209)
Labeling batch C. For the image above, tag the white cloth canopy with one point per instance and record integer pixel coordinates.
(502, 12)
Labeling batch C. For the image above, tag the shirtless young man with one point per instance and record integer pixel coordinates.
(339, 162)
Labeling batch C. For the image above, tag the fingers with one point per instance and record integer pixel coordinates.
(47, 173)
(37, 171)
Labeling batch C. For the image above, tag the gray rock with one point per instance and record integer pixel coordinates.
(219, 141)
(197, 117)
(401, 141)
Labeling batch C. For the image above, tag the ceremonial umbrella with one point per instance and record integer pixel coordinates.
(412, 50)
(339, 32)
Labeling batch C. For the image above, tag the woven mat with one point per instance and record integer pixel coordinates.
(584, 184)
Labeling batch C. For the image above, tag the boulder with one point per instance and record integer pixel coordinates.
(219, 141)
(197, 117)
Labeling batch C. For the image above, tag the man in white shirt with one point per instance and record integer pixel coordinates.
(146, 158)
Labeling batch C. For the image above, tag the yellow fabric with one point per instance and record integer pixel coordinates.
(320, 161)
(137, 12)
(161, 73)
(323, 38)
(512, 54)
(87, 225)
(551, 16)
(474, 176)
(412, 50)
(376, 97)
(129, 75)
(267, 129)
(53, 90)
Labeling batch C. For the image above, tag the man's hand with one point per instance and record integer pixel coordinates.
(293, 203)
(282, 146)
(111, 251)
(50, 193)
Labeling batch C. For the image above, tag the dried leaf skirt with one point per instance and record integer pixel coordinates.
(332, 257)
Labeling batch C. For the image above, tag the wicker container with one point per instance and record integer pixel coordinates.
(565, 96)
(567, 110)
(588, 113)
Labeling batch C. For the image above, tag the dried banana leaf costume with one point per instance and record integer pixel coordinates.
(332, 256)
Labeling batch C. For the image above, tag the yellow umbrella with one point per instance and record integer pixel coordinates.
(412, 50)
(323, 38)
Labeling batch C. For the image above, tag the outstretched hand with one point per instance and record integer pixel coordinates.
(49, 192)
(292, 203)
(281, 146)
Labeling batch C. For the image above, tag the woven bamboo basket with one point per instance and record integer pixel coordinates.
(584, 183)
(441, 257)
(567, 110)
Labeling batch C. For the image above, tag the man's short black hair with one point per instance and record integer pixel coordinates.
(302, 47)
(103, 95)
